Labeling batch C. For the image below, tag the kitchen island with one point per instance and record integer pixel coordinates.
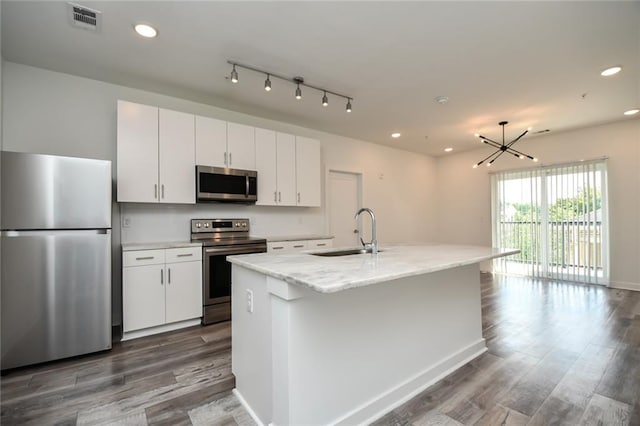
(343, 340)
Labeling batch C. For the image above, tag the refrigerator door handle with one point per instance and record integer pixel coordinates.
(60, 232)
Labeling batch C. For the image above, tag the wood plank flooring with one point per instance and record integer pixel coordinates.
(559, 354)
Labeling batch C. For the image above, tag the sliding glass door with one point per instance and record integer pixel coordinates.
(558, 218)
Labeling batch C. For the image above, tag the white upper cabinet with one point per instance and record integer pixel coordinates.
(308, 172)
(177, 157)
(137, 157)
(288, 169)
(286, 160)
(266, 167)
(211, 142)
(241, 147)
(156, 155)
(223, 144)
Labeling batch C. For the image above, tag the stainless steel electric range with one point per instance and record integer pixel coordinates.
(220, 238)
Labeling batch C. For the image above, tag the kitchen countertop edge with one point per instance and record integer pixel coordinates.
(348, 277)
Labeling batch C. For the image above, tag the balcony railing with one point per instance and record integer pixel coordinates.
(573, 243)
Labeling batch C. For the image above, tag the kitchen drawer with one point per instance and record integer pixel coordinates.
(319, 244)
(142, 257)
(281, 246)
(184, 254)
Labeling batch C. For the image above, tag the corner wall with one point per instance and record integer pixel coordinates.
(464, 193)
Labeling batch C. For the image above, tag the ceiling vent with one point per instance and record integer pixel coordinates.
(84, 17)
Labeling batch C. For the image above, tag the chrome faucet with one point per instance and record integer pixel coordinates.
(373, 244)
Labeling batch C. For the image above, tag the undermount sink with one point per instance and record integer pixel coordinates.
(347, 252)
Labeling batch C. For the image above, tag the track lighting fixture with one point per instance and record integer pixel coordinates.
(298, 81)
(502, 148)
(234, 75)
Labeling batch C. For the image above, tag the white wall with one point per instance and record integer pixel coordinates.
(464, 193)
(56, 113)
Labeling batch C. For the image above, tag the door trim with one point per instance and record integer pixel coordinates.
(327, 196)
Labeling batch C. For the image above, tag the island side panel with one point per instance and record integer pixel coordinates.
(350, 356)
(251, 361)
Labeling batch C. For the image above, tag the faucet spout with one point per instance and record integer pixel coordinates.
(374, 241)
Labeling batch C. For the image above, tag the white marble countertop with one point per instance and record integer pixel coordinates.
(159, 245)
(281, 238)
(332, 274)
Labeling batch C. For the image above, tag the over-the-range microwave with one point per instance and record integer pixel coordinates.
(226, 185)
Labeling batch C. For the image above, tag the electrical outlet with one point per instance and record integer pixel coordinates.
(249, 301)
(126, 221)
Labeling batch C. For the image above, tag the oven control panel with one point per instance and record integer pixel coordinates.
(219, 225)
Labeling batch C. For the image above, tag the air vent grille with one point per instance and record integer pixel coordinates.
(84, 17)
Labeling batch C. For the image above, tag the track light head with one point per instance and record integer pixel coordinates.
(298, 92)
(325, 100)
(234, 75)
(348, 105)
(267, 84)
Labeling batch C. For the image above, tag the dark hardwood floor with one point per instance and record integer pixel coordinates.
(559, 353)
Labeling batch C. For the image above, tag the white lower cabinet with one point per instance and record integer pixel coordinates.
(161, 287)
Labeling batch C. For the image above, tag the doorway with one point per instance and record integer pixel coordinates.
(344, 200)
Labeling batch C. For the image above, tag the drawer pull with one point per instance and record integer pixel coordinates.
(300, 246)
(145, 258)
(321, 244)
(185, 255)
(277, 248)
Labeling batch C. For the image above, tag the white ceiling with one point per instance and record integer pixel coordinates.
(525, 62)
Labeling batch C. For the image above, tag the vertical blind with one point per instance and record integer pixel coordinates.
(558, 217)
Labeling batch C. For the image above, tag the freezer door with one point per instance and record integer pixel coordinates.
(56, 295)
(51, 192)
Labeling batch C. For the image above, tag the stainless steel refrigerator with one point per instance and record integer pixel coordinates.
(56, 257)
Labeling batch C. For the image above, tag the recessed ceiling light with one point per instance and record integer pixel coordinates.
(448, 149)
(632, 111)
(611, 71)
(395, 135)
(146, 30)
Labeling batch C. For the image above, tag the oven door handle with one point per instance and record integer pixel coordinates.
(239, 250)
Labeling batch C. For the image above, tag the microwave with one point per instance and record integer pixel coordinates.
(226, 185)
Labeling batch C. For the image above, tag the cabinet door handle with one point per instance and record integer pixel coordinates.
(300, 246)
(225, 158)
(144, 258)
(168, 275)
(279, 196)
(277, 248)
(155, 191)
(321, 244)
(161, 276)
(163, 191)
(230, 159)
(185, 255)
(298, 197)
(275, 196)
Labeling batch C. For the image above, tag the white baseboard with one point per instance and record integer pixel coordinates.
(387, 401)
(624, 285)
(159, 329)
(247, 407)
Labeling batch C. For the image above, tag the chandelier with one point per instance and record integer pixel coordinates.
(502, 148)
